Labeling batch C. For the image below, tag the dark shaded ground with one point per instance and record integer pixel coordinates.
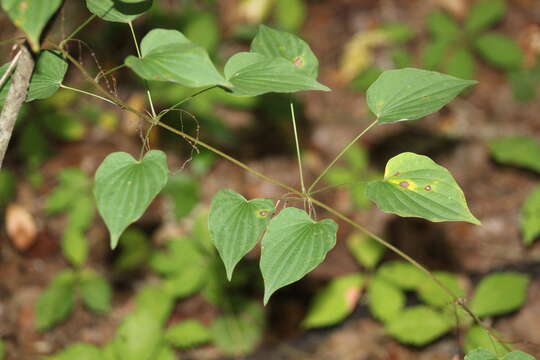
(456, 138)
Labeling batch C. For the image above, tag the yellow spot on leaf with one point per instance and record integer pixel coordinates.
(404, 183)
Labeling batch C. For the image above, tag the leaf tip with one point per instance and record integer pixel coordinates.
(267, 295)
(229, 270)
(114, 241)
(324, 88)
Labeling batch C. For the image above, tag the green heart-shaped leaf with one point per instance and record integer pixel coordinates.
(442, 26)
(294, 244)
(480, 354)
(432, 294)
(483, 14)
(518, 355)
(31, 16)
(500, 50)
(118, 10)
(187, 334)
(530, 217)
(335, 301)
(236, 224)
(253, 74)
(386, 301)
(280, 44)
(415, 186)
(167, 55)
(405, 327)
(499, 294)
(125, 187)
(409, 94)
(248, 327)
(80, 351)
(139, 336)
(57, 301)
(522, 151)
(48, 74)
(477, 337)
(95, 292)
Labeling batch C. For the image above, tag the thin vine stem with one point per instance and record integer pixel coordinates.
(10, 68)
(229, 158)
(140, 57)
(460, 302)
(76, 31)
(12, 40)
(334, 186)
(298, 150)
(87, 93)
(342, 152)
(183, 101)
(103, 74)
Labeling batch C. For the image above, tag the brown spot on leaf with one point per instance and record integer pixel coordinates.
(397, 173)
(298, 61)
(427, 187)
(404, 184)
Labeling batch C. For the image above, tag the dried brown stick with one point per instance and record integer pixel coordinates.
(15, 98)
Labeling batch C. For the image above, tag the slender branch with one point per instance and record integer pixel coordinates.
(15, 98)
(100, 88)
(334, 186)
(87, 93)
(140, 57)
(103, 74)
(10, 68)
(298, 150)
(347, 147)
(76, 31)
(3, 42)
(229, 158)
(192, 96)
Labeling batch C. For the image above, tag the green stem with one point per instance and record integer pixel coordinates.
(111, 97)
(330, 187)
(140, 57)
(8, 41)
(87, 93)
(229, 158)
(76, 31)
(192, 96)
(298, 150)
(347, 147)
(11, 67)
(103, 74)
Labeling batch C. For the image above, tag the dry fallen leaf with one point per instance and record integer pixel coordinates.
(254, 11)
(358, 53)
(20, 227)
(458, 8)
(530, 42)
